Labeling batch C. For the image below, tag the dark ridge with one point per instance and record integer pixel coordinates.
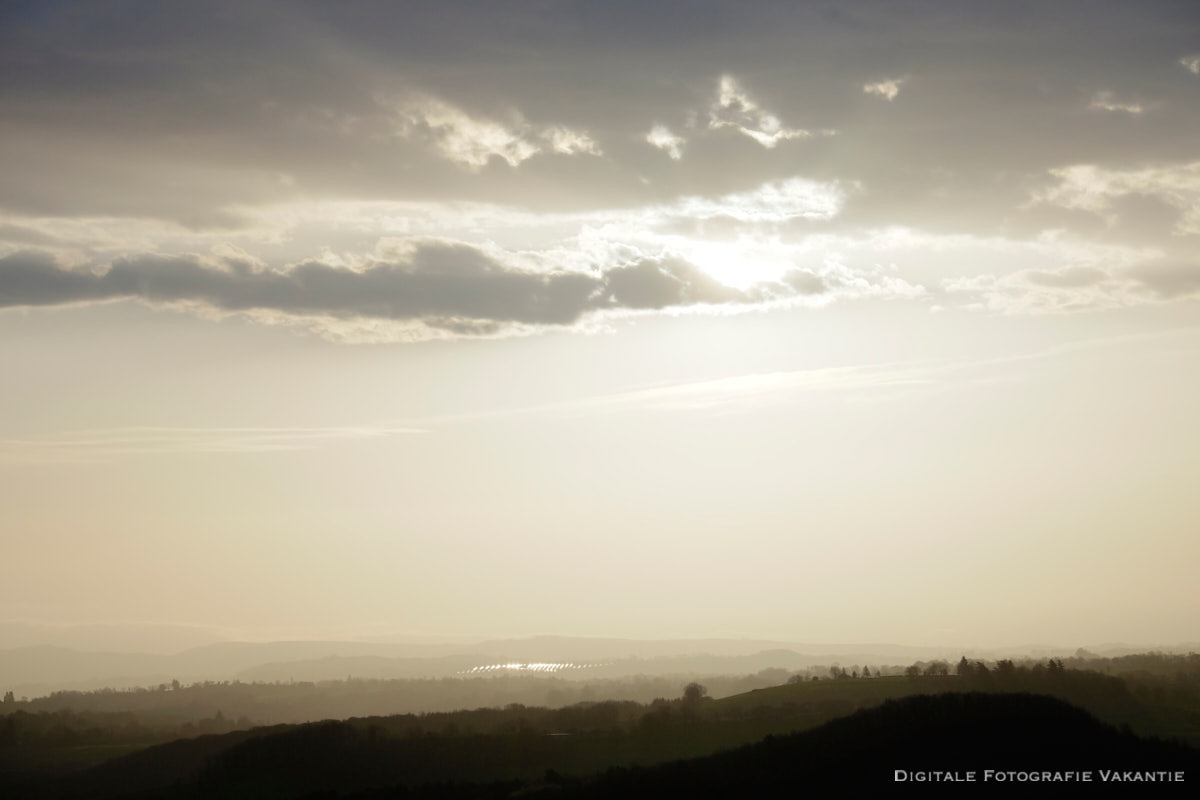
(947, 732)
(380, 758)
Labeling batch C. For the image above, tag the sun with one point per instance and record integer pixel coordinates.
(741, 264)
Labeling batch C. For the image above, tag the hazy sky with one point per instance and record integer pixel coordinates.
(814, 321)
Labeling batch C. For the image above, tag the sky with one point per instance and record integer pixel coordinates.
(826, 322)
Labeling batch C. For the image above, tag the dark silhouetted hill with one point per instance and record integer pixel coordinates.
(948, 732)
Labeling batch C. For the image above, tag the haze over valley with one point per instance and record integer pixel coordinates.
(668, 375)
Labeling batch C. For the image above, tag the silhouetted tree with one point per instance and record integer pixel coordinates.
(694, 692)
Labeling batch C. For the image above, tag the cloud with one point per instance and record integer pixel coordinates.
(1094, 188)
(1191, 64)
(1105, 101)
(472, 142)
(91, 445)
(887, 88)
(734, 109)
(568, 142)
(776, 201)
(1066, 278)
(238, 108)
(657, 285)
(445, 288)
(347, 268)
(806, 282)
(480, 270)
(34, 279)
(757, 389)
(1065, 290)
(660, 136)
(243, 87)
(438, 281)
(1169, 278)
(428, 283)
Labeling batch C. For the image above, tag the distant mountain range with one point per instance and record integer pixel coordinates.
(37, 670)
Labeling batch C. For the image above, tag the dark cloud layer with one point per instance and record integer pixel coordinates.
(1169, 278)
(1001, 121)
(195, 108)
(659, 284)
(452, 287)
(1072, 277)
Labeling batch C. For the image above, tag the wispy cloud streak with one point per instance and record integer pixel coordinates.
(87, 445)
(755, 390)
